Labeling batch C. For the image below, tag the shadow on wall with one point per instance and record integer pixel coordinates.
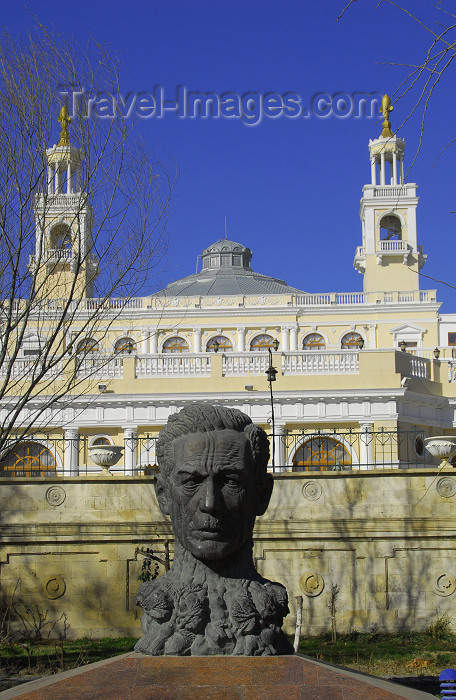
(381, 538)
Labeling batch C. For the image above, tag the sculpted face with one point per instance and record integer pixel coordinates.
(212, 495)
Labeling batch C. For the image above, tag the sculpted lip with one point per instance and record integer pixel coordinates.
(211, 531)
(211, 534)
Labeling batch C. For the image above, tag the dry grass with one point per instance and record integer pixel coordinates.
(384, 654)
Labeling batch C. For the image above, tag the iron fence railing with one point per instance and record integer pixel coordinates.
(302, 450)
(38, 454)
(351, 450)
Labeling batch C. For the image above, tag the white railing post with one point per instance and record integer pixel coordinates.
(366, 448)
(130, 440)
(279, 444)
(71, 463)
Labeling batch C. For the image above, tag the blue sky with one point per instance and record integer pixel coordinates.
(289, 187)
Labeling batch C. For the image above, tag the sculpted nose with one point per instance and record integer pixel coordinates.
(209, 498)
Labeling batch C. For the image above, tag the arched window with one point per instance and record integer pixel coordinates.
(125, 346)
(313, 341)
(175, 344)
(100, 440)
(28, 458)
(390, 228)
(262, 342)
(351, 341)
(224, 344)
(321, 454)
(87, 346)
(61, 237)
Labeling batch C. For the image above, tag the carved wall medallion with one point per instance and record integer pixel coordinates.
(53, 586)
(55, 495)
(311, 583)
(311, 490)
(446, 487)
(445, 584)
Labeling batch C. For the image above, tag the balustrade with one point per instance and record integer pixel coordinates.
(27, 368)
(320, 362)
(391, 246)
(361, 298)
(241, 364)
(173, 365)
(100, 366)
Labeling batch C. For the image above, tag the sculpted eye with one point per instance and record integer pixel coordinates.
(191, 482)
(232, 480)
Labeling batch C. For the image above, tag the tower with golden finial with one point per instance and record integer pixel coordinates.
(64, 120)
(64, 218)
(389, 249)
(385, 110)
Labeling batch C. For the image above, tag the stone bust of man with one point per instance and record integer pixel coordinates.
(213, 482)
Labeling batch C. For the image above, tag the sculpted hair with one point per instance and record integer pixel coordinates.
(202, 418)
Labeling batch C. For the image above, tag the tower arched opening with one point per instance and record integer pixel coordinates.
(390, 228)
(60, 237)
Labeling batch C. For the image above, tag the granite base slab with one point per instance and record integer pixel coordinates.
(134, 676)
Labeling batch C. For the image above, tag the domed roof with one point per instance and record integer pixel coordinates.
(226, 246)
(226, 271)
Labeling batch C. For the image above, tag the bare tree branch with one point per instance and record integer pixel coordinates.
(67, 255)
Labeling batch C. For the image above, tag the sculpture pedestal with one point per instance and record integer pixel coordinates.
(138, 677)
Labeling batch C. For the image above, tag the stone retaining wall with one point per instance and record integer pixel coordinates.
(69, 548)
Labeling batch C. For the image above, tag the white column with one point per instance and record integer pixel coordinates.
(145, 341)
(57, 179)
(71, 459)
(366, 447)
(285, 338)
(153, 341)
(293, 338)
(82, 237)
(197, 340)
(69, 183)
(382, 168)
(50, 176)
(130, 442)
(280, 452)
(77, 178)
(241, 339)
(394, 168)
(401, 164)
(373, 171)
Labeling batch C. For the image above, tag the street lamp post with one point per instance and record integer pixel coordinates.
(271, 373)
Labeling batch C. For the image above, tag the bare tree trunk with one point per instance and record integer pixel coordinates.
(332, 607)
(299, 601)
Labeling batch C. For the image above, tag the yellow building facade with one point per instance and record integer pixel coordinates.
(361, 380)
(360, 362)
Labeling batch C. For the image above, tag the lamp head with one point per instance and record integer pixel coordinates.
(271, 374)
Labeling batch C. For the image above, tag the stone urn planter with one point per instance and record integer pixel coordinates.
(105, 456)
(443, 447)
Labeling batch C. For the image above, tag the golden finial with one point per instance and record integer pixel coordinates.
(64, 120)
(385, 110)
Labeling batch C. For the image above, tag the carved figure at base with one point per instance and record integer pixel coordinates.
(213, 482)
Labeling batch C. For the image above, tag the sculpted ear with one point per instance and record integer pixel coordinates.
(264, 493)
(162, 496)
